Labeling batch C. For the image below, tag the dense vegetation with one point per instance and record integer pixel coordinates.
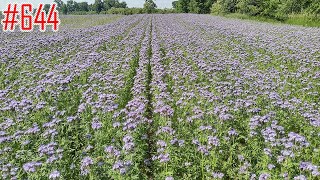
(73, 7)
(276, 9)
(107, 7)
(270, 8)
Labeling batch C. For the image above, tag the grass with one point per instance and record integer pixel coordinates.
(298, 19)
(303, 20)
(83, 21)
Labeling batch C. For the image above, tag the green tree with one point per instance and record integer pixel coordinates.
(250, 7)
(224, 6)
(46, 8)
(76, 6)
(59, 4)
(183, 6)
(123, 5)
(98, 6)
(314, 8)
(70, 6)
(207, 6)
(194, 6)
(218, 7)
(83, 6)
(108, 4)
(149, 6)
(202, 6)
(174, 4)
(230, 5)
(273, 9)
(64, 9)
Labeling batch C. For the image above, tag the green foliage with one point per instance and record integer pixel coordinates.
(83, 6)
(174, 4)
(46, 8)
(193, 6)
(108, 4)
(98, 6)
(165, 11)
(125, 11)
(302, 19)
(183, 6)
(230, 5)
(314, 8)
(72, 7)
(81, 12)
(274, 9)
(108, 7)
(149, 6)
(64, 9)
(218, 8)
(59, 4)
(130, 11)
(250, 7)
(207, 6)
(279, 10)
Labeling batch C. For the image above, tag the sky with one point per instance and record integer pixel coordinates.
(131, 3)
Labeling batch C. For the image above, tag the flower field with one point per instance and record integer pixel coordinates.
(163, 97)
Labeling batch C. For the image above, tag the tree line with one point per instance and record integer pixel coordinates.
(278, 9)
(98, 6)
(107, 7)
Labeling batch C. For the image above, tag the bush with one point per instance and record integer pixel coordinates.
(166, 11)
(125, 11)
(218, 8)
(249, 7)
(129, 11)
(314, 9)
(91, 12)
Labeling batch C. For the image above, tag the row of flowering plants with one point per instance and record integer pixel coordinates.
(58, 98)
(239, 103)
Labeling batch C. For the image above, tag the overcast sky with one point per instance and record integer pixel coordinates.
(131, 3)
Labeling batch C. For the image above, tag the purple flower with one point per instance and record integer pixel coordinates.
(213, 141)
(123, 170)
(169, 178)
(128, 146)
(300, 177)
(117, 165)
(164, 158)
(31, 166)
(271, 166)
(96, 125)
(232, 132)
(203, 150)
(264, 176)
(161, 143)
(82, 108)
(71, 118)
(87, 161)
(112, 151)
(54, 174)
(217, 175)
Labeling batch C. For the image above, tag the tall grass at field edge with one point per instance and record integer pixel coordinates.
(296, 19)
